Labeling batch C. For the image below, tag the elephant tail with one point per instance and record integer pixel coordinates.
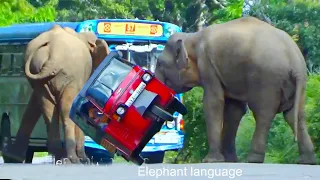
(49, 68)
(298, 103)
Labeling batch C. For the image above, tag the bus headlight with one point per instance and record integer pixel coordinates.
(171, 124)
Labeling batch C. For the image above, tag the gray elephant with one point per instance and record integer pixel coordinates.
(240, 63)
(58, 62)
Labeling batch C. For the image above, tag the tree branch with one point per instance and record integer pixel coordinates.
(221, 3)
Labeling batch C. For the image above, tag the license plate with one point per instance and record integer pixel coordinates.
(109, 147)
(135, 94)
(166, 140)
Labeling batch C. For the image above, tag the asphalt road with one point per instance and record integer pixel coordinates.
(239, 171)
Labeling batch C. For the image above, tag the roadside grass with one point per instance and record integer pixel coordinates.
(170, 157)
(40, 154)
(36, 154)
(119, 159)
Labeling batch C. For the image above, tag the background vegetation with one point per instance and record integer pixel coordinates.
(299, 18)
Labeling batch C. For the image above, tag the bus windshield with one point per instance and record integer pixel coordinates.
(144, 56)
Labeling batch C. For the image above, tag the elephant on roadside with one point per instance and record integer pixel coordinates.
(58, 63)
(241, 63)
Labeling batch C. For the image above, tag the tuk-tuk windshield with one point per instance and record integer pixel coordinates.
(108, 81)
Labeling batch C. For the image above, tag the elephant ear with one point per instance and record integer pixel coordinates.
(70, 30)
(100, 52)
(181, 55)
(90, 39)
(56, 27)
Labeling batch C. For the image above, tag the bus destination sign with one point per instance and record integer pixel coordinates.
(129, 28)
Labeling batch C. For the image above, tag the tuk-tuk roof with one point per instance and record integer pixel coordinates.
(28, 31)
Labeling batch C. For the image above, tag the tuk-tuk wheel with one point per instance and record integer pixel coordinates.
(176, 105)
(137, 160)
(164, 115)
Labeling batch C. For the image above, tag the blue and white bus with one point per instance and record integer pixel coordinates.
(134, 38)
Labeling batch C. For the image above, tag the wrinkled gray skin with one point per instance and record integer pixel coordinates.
(238, 63)
(58, 63)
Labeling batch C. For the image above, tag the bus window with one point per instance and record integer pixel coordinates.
(12, 59)
(144, 56)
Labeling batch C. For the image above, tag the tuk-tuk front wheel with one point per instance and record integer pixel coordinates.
(153, 157)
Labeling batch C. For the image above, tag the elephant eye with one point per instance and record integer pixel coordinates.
(159, 64)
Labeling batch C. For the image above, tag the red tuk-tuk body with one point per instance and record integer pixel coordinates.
(125, 104)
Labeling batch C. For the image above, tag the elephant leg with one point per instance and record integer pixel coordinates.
(65, 104)
(306, 147)
(233, 113)
(264, 105)
(80, 149)
(51, 117)
(29, 120)
(213, 104)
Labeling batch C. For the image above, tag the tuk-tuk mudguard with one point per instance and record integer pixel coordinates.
(145, 99)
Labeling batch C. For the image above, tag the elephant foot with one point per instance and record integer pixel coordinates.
(85, 160)
(230, 157)
(254, 157)
(72, 159)
(213, 157)
(308, 159)
(83, 157)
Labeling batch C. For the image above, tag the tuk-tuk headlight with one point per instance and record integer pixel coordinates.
(146, 77)
(120, 111)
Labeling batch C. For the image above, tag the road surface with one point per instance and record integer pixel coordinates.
(36, 160)
(124, 171)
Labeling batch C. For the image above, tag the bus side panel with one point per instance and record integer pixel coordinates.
(15, 90)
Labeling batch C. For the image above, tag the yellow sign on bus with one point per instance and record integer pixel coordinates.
(128, 28)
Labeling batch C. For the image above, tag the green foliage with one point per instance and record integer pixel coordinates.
(195, 128)
(232, 11)
(20, 11)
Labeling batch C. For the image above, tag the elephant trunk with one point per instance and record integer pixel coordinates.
(159, 75)
(48, 70)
